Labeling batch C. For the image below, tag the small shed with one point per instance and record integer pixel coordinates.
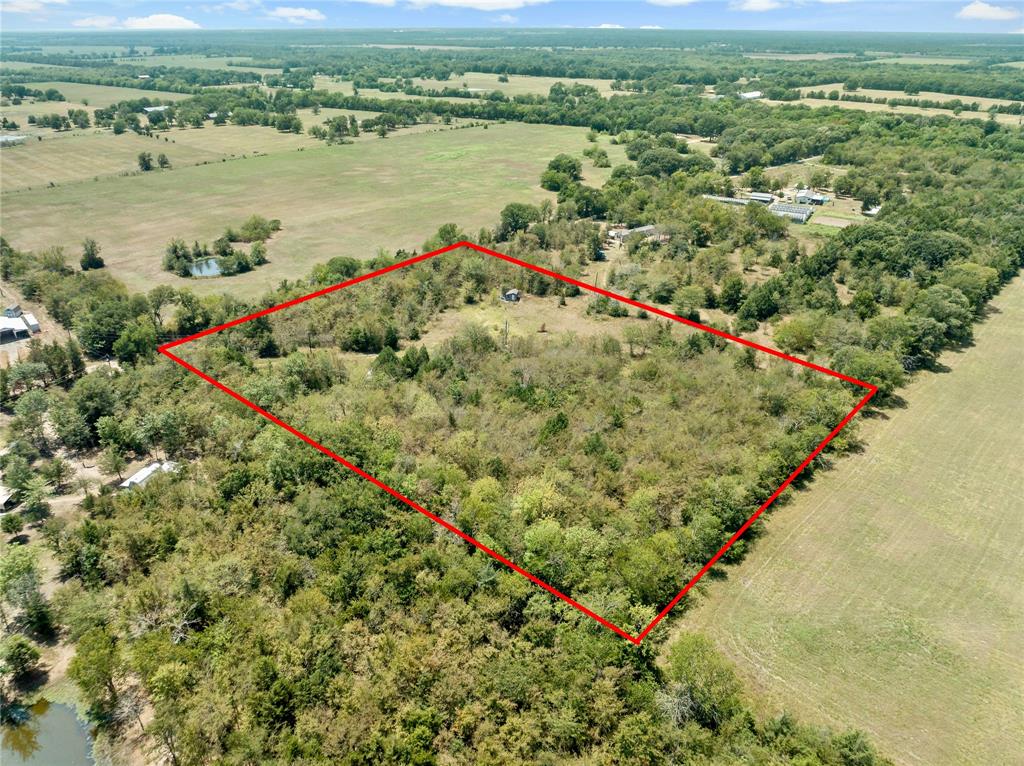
(511, 296)
(751, 94)
(30, 321)
(140, 477)
(13, 311)
(808, 197)
(12, 329)
(763, 197)
(151, 109)
(871, 212)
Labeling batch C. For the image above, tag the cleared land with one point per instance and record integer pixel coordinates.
(1005, 119)
(481, 82)
(332, 200)
(923, 60)
(230, 63)
(888, 596)
(799, 56)
(102, 95)
(929, 95)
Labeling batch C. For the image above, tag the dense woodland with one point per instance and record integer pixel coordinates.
(264, 605)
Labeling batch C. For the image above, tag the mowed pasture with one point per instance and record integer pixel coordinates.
(929, 95)
(1004, 119)
(888, 595)
(479, 82)
(332, 200)
(230, 63)
(102, 95)
(84, 155)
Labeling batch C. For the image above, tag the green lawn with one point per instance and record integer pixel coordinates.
(888, 595)
(332, 200)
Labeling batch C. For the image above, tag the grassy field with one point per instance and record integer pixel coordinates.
(196, 62)
(83, 155)
(476, 81)
(930, 95)
(923, 60)
(101, 95)
(799, 56)
(887, 596)
(332, 200)
(1005, 119)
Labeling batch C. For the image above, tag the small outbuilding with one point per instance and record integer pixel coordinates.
(763, 197)
(511, 296)
(751, 95)
(12, 329)
(140, 477)
(808, 197)
(13, 311)
(12, 140)
(871, 212)
(151, 109)
(31, 322)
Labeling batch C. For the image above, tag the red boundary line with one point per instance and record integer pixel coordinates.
(871, 389)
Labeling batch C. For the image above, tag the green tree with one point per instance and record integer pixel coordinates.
(96, 668)
(733, 292)
(91, 255)
(19, 656)
(145, 161)
(515, 217)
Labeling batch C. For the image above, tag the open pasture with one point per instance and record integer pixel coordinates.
(331, 200)
(928, 95)
(479, 82)
(62, 158)
(887, 596)
(1004, 119)
(103, 95)
(196, 62)
(924, 60)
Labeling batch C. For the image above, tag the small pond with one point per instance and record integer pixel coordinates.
(48, 735)
(208, 267)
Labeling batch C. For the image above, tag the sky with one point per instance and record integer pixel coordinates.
(984, 16)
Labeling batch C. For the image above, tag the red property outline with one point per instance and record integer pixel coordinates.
(871, 389)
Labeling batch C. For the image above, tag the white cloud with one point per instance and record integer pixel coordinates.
(650, 26)
(672, 2)
(834, 2)
(478, 5)
(756, 6)
(29, 6)
(982, 11)
(607, 26)
(507, 18)
(159, 21)
(96, 22)
(375, 2)
(295, 15)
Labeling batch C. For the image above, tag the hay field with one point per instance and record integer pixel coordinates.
(887, 596)
(332, 200)
(982, 102)
(101, 95)
(1004, 119)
